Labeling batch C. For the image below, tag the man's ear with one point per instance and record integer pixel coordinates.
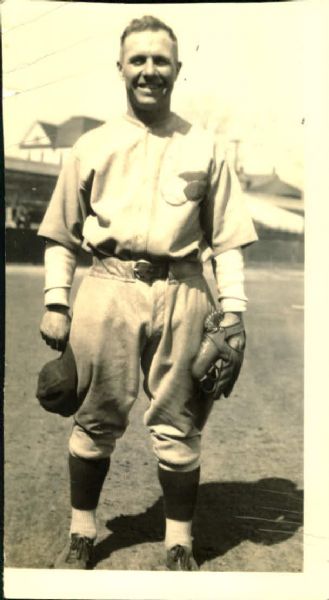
(119, 67)
(178, 67)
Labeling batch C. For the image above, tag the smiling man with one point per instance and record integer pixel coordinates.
(149, 194)
(149, 66)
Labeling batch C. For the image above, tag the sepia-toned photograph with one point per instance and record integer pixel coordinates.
(155, 224)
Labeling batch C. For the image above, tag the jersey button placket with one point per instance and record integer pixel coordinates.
(156, 150)
(143, 200)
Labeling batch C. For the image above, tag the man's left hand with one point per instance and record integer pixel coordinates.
(230, 367)
(219, 361)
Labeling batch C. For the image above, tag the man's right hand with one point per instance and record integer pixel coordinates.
(55, 326)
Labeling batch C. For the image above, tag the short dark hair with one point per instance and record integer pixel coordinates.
(147, 23)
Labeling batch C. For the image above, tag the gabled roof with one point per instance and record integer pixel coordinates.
(50, 129)
(59, 136)
(70, 131)
(40, 135)
(278, 188)
(268, 184)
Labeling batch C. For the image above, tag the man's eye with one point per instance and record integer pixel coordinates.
(137, 60)
(161, 61)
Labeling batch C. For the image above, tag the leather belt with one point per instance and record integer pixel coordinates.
(146, 270)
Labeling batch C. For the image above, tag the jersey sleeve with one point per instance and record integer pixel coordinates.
(68, 207)
(225, 218)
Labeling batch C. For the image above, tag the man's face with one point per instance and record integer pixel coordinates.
(149, 67)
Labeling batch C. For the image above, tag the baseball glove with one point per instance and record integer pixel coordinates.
(217, 364)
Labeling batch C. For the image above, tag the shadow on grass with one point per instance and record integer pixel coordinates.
(266, 512)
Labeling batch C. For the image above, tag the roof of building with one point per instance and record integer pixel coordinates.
(269, 184)
(30, 166)
(50, 130)
(70, 131)
(60, 136)
(274, 217)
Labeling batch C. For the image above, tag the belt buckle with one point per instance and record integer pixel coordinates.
(144, 270)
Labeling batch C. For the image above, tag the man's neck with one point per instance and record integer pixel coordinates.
(149, 117)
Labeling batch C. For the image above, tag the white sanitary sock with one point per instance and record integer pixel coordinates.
(178, 532)
(84, 523)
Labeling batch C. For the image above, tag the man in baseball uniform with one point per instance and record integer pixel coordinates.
(148, 193)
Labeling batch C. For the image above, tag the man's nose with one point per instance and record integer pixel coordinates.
(149, 67)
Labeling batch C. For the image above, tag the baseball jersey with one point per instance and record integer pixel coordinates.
(160, 191)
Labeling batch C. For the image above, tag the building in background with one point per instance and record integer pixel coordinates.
(277, 207)
(31, 174)
(28, 186)
(49, 143)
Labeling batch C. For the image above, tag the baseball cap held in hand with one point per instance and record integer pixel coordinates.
(57, 385)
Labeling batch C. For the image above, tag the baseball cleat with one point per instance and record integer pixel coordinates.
(77, 554)
(180, 558)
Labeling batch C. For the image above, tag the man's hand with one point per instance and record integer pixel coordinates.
(237, 341)
(218, 363)
(231, 365)
(55, 326)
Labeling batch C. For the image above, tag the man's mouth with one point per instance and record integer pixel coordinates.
(150, 87)
(150, 90)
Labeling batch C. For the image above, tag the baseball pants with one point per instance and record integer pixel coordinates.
(120, 325)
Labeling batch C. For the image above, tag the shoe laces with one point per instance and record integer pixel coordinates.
(181, 555)
(80, 548)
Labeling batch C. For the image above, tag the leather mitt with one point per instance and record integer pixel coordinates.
(217, 364)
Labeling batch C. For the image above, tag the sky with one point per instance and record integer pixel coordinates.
(243, 70)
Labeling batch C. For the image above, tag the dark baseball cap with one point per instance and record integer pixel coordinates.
(57, 385)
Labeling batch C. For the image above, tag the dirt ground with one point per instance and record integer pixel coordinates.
(250, 506)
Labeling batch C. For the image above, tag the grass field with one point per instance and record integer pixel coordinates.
(250, 507)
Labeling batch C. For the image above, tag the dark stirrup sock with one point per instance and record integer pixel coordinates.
(86, 481)
(180, 491)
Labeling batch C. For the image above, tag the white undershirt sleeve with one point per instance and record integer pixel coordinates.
(60, 265)
(229, 274)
